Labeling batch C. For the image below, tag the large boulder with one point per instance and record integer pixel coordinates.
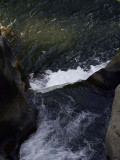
(17, 117)
(108, 77)
(113, 132)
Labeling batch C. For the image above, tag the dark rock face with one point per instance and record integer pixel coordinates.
(109, 77)
(17, 117)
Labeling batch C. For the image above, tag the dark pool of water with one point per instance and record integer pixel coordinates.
(62, 34)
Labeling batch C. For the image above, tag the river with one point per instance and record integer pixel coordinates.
(61, 42)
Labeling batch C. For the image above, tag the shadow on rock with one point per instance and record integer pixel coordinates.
(17, 117)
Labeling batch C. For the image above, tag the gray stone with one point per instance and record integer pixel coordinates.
(108, 77)
(113, 132)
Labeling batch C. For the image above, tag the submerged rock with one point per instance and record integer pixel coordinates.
(109, 76)
(113, 132)
(17, 117)
(8, 32)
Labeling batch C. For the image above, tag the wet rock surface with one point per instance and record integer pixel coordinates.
(108, 77)
(17, 117)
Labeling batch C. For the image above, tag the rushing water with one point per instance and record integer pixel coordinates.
(64, 41)
(49, 80)
(72, 124)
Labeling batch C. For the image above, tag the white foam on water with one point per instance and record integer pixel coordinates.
(61, 78)
(51, 141)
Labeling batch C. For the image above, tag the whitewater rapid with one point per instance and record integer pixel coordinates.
(51, 141)
(52, 80)
(55, 137)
